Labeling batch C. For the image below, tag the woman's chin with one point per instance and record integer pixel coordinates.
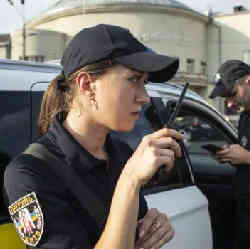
(126, 128)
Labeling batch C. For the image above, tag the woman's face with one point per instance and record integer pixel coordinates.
(119, 95)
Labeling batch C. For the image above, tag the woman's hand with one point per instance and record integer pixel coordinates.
(156, 149)
(154, 230)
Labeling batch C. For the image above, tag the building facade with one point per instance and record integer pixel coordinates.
(167, 26)
(5, 46)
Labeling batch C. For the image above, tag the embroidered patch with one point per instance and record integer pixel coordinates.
(27, 217)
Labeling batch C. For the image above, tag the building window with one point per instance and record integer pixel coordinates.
(203, 67)
(37, 58)
(246, 56)
(190, 65)
(239, 8)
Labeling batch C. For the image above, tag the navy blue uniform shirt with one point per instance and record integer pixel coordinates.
(242, 179)
(242, 187)
(44, 211)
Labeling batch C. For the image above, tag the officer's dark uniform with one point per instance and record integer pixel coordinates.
(242, 187)
(67, 225)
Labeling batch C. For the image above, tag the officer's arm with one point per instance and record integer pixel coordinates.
(39, 208)
(122, 220)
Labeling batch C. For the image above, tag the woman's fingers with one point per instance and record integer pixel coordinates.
(165, 132)
(148, 219)
(163, 238)
(159, 232)
(156, 149)
(167, 143)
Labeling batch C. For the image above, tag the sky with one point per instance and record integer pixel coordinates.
(11, 18)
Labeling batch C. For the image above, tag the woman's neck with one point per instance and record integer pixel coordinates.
(88, 133)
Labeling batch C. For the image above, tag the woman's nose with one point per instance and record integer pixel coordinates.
(142, 96)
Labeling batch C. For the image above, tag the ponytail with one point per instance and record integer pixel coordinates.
(54, 100)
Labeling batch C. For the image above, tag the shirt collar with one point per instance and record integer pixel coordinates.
(75, 154)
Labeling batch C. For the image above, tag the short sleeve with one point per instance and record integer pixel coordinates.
(39, 207)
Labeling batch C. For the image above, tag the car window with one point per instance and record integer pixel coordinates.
(14, 122)
(199, 128)
(198, 131)
(146, 124)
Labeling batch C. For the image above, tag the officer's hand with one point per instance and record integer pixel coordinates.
(154, 230)
(234, 154)
(156, 149)
(216, 155)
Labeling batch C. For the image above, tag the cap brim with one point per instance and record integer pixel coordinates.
(161, 68)
(219, 90)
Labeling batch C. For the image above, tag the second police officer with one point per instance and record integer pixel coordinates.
(233, 83)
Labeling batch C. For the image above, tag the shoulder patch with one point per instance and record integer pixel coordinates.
(27, 217)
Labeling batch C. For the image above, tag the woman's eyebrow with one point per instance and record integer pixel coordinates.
(139, 73)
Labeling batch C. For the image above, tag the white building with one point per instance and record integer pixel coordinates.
(5, 46)
(167, 26)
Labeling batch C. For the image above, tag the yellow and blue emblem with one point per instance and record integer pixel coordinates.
(27, 217)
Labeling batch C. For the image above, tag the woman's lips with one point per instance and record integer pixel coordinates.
(135, 113)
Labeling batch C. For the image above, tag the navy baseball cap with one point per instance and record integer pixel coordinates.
(104, 41)
(227, 75)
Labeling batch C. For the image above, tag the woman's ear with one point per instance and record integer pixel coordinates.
(83, 80)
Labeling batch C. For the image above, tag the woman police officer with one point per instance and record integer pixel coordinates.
(101, 88)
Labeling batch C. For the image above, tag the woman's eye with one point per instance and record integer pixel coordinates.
(134, 79)
(137, 79)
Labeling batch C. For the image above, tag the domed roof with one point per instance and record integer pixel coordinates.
(71, 4)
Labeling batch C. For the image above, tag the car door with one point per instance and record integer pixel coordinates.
(174, 193)
(203, 125)
(14, 133)
(19, 127)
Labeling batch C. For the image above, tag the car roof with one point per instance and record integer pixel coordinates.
(21, 75)
(170, 88)
(54, 67)
(29, 66)
(175, 89)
